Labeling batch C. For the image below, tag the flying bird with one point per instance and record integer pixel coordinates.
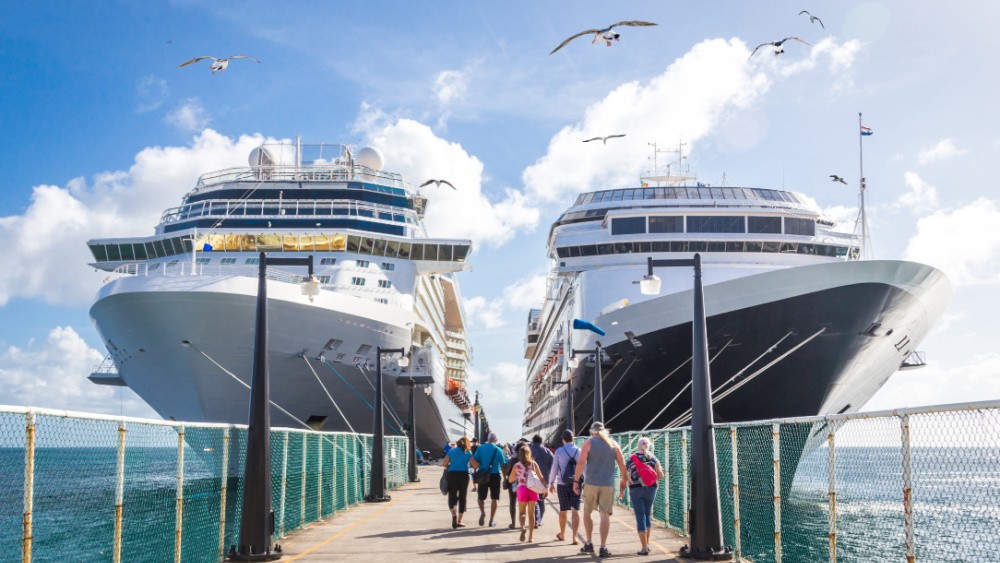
(218, 65)
(605, 139)
(813, 19)
(835, 178)
(438, 183)
(606, 34)
(778, 49)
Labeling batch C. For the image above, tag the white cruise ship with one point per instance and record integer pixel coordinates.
(177, 314)
(797, 324)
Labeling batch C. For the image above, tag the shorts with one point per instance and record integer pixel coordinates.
(600, 498)
(568, 500)
(493, 489)
(524, 494)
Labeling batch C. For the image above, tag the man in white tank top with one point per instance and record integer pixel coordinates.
(597, 465)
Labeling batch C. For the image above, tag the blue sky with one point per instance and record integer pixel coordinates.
(100, 132)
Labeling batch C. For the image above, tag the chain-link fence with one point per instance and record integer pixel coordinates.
(913, 484)
(87, 487)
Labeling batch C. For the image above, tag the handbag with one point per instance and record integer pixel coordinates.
(483, 475)
(444, 482)
(646, 473)
(533, 482)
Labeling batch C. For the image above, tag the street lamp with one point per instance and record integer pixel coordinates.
(706, 512)
(376, 492)
(425, 382)
(598, 410)
(257, 517)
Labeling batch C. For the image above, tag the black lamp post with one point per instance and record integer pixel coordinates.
(476, 431)
(257, 517)
(706, 512)
(376, 491)
(412, 382)
(597, 351)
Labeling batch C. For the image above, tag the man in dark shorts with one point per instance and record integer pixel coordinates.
(568, 500)
(489, 457)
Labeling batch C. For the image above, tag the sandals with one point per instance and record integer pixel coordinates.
(454, 521)
(524, 534)
(559, 537)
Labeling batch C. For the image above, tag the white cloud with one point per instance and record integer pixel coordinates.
(190, 117)
(504, 390)
(450, 86)
(964, 243)
(686, 101)
(944, 149)
(525, 293)
(922, 196)
(412, 148)
(839, 56)
(938, 385)
(50, 235)
(54, 375)
(150, 92)
(485, 313)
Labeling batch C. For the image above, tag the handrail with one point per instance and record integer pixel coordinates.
(226, 208)
(301, 173)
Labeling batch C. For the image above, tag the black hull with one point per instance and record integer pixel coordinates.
(824, 375)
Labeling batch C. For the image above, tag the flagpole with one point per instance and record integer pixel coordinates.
(862, 225)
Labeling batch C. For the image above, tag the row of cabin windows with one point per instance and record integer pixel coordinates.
(683, 192)
(127, 252)
(713, 224)
(701, 246)
(358, 280)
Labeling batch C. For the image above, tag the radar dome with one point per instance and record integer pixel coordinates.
(369, 157)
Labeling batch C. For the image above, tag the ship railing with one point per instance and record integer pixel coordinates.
(899, 484)
(329, 172)
(187, 268)
(277, 209)
(154, 490)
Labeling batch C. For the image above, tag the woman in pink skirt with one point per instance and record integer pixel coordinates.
(526, 498)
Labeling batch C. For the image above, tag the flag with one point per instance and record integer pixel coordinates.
(644, 184)
(206, 248)
(866, 131)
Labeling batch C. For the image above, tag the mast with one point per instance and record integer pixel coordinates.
(861, 224)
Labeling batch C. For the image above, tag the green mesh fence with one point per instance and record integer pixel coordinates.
(158, 491)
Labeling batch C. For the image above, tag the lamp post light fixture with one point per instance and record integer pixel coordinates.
(597, 351)
(376, 491)
(257, 516)
(425, 382)
(706, 513)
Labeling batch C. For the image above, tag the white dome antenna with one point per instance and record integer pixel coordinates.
(370, 157)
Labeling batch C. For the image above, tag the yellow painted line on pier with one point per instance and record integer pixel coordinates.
(354, 525)
(651, 542)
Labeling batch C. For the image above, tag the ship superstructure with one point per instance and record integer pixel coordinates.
(177, 312)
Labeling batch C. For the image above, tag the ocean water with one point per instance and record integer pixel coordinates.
(956, 494)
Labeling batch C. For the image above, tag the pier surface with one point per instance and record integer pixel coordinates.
(416, 526)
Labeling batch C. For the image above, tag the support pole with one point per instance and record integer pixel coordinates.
(179, 519)
(831, 468)
(377, 486)
(222, 494)
(29, 487)
(411, 458)
(598, 387)
(116, 555)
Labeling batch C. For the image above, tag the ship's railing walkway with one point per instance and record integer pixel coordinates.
(918, 484)
(85, 487)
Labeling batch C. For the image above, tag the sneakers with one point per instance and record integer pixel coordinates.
(587, 548)
(454, 521)
(493, 524)
(644, 551)
(603, 552)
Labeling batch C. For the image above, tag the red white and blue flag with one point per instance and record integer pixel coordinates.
(866, 131)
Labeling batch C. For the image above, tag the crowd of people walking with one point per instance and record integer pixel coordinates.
(582, 478)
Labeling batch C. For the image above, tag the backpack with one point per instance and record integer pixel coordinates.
(569, 471)
(646, 473)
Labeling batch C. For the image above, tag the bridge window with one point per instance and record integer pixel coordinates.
(357, 281)
(666, 224)
(388, 266)
(327, 261)
(715, 224)
(385, 284)
(628, 225)
(806, 227)
(764, 225)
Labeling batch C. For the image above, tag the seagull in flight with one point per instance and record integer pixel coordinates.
(812, 18)
(778, 49)
(218, 65)
(606, 34)
(605, 139)
(835, 178)
(438, 183)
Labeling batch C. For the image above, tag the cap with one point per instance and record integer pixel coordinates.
(567, 435)
(597, 427)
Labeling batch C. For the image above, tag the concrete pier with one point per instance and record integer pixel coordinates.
(416, 526)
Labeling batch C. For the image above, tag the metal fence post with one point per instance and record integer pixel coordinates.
(305, 479)
(180, 496)
(832, 486)
(222, 493)
(666, 477)
(686, 509)
(319, 485)
(736, 493)
(776, 450)
(911, 548)
(29, 486)
(116, 554)
(284, 486)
